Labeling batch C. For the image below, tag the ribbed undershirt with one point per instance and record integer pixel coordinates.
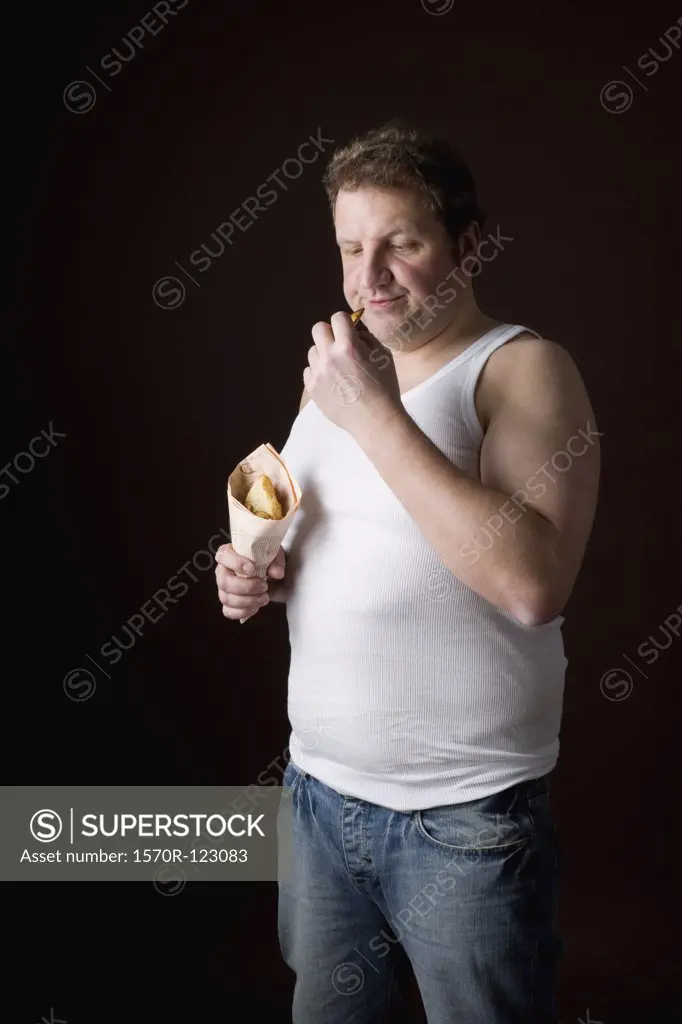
(406, 688)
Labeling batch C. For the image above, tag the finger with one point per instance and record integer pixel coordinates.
(368, 343)
(277, 568)
(236, 611)
(236, 614)
(280, 559)
(228, 557)
(363, 349)
(323, 336)
(239, 585)
(241, 602)
(344, 330)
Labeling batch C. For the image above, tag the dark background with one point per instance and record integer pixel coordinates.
(158, 405)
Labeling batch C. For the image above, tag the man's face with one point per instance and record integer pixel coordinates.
(392, 247)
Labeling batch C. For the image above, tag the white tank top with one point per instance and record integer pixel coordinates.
(406, 688)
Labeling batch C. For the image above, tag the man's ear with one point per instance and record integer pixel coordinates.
(468, 242)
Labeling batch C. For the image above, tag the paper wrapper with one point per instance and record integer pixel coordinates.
(253, 537)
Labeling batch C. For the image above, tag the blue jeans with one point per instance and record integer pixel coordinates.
(468, 890)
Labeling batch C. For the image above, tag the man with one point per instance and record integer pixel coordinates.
(449, 465)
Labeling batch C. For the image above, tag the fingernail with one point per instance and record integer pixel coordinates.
(246, 567)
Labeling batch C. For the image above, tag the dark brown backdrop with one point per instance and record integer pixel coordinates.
(155, 404)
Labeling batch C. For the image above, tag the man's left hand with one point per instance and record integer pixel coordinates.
(351, 377)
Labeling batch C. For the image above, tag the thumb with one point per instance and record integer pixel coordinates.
(277, 566)
(373, 350)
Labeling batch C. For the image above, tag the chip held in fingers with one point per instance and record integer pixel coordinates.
(355, 316)
(262, 500)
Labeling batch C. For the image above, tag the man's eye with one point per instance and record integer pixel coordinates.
(404, 247)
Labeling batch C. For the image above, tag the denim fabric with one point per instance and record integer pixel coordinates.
(468, 890)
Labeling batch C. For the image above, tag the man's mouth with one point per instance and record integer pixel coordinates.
(383, 303)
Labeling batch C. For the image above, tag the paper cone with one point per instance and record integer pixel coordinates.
(252, 537)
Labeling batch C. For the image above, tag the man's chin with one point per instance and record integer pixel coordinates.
(386, 325)
(383, 322)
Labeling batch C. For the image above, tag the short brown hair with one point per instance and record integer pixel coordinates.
(397, 155)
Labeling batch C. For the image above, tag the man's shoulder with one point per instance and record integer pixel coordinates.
(528, 348)
(528, 358)
(526, 365)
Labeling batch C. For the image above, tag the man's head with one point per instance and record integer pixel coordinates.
(406, 215)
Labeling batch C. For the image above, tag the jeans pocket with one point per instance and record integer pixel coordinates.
(538, 793)
(498, 824)
(292, 776)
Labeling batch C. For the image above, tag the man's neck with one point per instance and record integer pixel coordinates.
(457, 335)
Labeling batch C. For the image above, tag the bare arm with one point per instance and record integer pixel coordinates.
(517, 536)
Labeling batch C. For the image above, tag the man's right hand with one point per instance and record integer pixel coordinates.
(242, 597)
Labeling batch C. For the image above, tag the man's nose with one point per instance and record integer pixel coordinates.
(374, 273)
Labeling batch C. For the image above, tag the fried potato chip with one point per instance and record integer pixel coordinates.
(262, 500)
